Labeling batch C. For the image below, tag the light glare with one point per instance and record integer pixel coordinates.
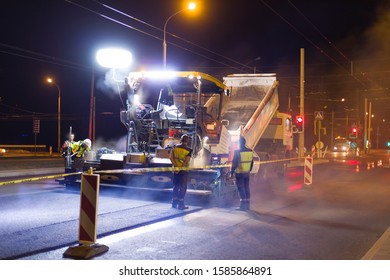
(192, 6)
(114, 58)
(155, 75)
(137, 99)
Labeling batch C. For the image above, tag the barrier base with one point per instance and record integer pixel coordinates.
(85, 252)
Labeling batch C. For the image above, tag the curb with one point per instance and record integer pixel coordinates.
(381, 249)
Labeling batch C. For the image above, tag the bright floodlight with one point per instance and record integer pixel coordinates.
(114, 58)
(192, 6)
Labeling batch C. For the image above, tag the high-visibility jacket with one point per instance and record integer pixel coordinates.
(79, 148)
(179, 155)
(245, 162)
(242, 161)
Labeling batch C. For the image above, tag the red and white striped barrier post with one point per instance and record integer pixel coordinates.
(308, 171)
(89, 194)
(313, 151)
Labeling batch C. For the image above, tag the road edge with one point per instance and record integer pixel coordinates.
(381, 248)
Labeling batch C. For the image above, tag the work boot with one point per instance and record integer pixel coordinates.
(181, 206)
(174, 204)
(247, 206)
(242, 206)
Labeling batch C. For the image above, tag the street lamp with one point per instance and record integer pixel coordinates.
(191, 6)
(50, 81)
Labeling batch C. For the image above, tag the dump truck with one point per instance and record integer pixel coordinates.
(253, 105)
(162, 106)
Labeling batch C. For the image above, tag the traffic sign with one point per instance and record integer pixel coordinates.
(319, 145)
(36, 125)
(319, 115)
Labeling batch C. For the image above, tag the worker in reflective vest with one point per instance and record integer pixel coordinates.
(241, 166)
(66, 151)
(180, 157)
(79, 149)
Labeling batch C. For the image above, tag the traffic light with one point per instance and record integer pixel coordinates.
(299, 123)
(354, 132)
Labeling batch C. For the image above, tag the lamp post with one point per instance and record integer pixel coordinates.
(50, 81)
(91, 131)
(191, 6)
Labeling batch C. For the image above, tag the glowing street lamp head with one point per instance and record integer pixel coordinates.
(114, 58)
(192, 6)
(51, 81)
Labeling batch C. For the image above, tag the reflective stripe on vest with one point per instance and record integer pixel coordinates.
(244, 163)
(180, 155)
(77, 147)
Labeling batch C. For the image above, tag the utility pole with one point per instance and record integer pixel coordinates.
(91, 133)
(369, 127)
(332, 131)
(365, 126)
(302, 104)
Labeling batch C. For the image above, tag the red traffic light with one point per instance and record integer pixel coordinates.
(299, 123)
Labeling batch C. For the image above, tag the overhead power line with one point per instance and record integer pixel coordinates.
(319, 31)
(322, 51)
(175, 36)
(157, 37)
(24, 53)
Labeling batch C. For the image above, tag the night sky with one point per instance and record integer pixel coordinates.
(346, 43)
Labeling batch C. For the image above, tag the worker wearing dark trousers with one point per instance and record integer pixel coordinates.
(180, 157)
(241, 166)
(179, 190)
(66, 152)
(79, 150)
